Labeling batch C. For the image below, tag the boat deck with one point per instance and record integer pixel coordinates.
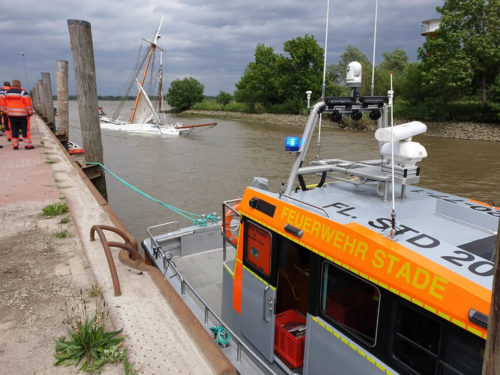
(204, 273)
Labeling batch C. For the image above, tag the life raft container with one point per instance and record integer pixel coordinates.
(74, 149)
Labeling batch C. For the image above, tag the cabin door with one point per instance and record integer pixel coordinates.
(258, 294)
(257, 312)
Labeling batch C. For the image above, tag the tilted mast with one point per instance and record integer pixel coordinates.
(160, 85)
(150, 56)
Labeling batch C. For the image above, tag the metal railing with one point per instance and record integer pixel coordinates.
(306, 203)
(240, 345)
(207, 310)
(228, 205)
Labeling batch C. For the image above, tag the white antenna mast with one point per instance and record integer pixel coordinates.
(323, 85)
(390, 94)
(374, 44)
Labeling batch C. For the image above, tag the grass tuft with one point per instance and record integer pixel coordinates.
(55, 209)
(94, 291)
(62, 234)
(65, 220)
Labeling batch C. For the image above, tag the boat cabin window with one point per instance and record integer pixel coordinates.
(293, 277)
(258, 248)
(428, 346)
(350, 302)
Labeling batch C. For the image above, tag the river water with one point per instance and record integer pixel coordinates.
(196, 173)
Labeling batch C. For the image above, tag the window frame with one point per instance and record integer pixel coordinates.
(342, 327)
(445, 332)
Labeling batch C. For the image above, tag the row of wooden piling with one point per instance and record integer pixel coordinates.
(86, 87)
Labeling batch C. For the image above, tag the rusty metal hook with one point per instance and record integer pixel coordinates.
(129, 245)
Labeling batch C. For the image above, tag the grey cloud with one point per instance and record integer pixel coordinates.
(210, 40)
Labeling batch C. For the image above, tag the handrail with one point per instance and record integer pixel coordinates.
(128, 246)
(306, 203)
(151, 236)
(239, 342)
(156, 245)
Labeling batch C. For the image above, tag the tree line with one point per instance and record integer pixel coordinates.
(458, 63)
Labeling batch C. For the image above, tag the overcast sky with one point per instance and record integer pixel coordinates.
(210, 40)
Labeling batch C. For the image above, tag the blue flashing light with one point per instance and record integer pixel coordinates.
(292, 144)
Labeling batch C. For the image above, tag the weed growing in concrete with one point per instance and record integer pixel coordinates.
(65, 220)
(127, 366)
(88, 341)
(62, 234)
(50, 162)
(55, 209)
(94, 291)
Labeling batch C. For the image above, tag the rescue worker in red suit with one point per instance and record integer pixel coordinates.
(19, 109)
(4, 118)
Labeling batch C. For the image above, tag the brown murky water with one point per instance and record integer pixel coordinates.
(198, 172)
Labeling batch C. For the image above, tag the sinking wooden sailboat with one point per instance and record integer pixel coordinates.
(145, 117)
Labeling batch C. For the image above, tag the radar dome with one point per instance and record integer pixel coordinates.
(353, 76)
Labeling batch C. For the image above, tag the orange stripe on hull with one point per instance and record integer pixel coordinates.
(238, 272)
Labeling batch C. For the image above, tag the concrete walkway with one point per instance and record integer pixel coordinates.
(43, 278)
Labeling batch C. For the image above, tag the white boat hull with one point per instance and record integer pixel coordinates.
(141, 128)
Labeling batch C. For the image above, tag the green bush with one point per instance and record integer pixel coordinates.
(238, 107)
(292, 107)
(457, 111)
(185, 93)
(224, 98)
(208, 105)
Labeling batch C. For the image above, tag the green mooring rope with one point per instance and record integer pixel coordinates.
(221, 336)
(196, 219)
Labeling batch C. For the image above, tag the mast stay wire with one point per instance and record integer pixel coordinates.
(393, 188)
(372, 88)
(323, 85)
(130, 82)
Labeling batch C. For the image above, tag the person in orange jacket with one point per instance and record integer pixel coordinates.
(4, 119)
(19, 109)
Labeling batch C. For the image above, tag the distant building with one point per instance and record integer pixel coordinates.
(430, 26)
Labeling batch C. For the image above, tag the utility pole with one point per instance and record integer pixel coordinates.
(27, 83)
(491, 364)
(80, 35)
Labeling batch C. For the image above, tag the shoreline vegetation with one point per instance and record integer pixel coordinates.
(473, 131)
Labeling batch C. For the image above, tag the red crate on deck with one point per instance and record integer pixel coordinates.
(289, 346)
(352, 306)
